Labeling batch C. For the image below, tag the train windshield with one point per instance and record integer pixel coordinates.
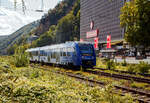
(86, 49)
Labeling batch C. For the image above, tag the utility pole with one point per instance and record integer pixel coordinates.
(23, 7)
(15, 5)
(42, 5)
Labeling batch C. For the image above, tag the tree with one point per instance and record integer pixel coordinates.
(65, 29)
(11, 50)
(21, 57)
(47, 38)
(135, 18)
(144, 22)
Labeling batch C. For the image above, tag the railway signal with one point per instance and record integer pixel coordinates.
(96, 43)
(81, 40)
(109, 41)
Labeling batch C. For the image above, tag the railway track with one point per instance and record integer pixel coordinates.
(141, 96)
(120, 76)
(125, 72)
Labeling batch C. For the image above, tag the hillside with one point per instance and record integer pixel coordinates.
(3, 38)
(54, 15)
(64, 25)
(14, 38)
(62, 21)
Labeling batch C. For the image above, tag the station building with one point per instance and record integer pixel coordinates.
(100, 18)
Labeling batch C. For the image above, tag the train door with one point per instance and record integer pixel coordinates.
(49, 56)
(57, 55)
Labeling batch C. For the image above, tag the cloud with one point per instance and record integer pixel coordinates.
(11, 20)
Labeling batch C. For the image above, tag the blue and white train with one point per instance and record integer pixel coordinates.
(68, 54)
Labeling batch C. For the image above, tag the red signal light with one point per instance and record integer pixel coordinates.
(96, 43)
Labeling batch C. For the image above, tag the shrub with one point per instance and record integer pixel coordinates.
(105, 60)
(110, 96)
(110, 64)
(132, 68)
(139, 85)
(143, 67)
(21, 57)
(124, 63)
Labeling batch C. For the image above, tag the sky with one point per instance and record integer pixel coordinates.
(11, 19)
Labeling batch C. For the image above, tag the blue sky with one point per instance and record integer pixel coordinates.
(11, 20)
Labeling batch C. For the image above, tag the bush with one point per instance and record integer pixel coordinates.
(143, 67)
(124, 63)
(21, 57)
(110, 64)
(132, 68)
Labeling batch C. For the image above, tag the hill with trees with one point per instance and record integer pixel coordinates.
(63, 27)
(17, 37)
(57, 26)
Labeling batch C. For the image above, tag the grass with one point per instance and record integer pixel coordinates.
(142, 68)
(34, 85)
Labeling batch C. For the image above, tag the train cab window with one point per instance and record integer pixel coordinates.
(86, 49)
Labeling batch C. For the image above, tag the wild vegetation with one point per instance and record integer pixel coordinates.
(142, 67)
(32, 84)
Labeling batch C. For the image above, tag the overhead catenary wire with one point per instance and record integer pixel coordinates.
(24, 5)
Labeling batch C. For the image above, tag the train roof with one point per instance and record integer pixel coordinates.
(63, 45)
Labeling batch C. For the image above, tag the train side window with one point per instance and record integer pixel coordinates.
(64, 52)
(61, 52)
(52, 54)
(68, 51)
(36, 53)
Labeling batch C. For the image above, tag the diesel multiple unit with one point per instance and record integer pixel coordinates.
(68, 54)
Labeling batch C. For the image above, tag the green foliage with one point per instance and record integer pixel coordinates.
(67, 28)
(33, 85)
(111, 97)
(124, 63)
(139, 85)
(139, 68)
(132, 68)
(12, 49)
(21, 57)
(143, 67)
(135, 19)
(47, 38)
(54, 15)
(110, 64)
